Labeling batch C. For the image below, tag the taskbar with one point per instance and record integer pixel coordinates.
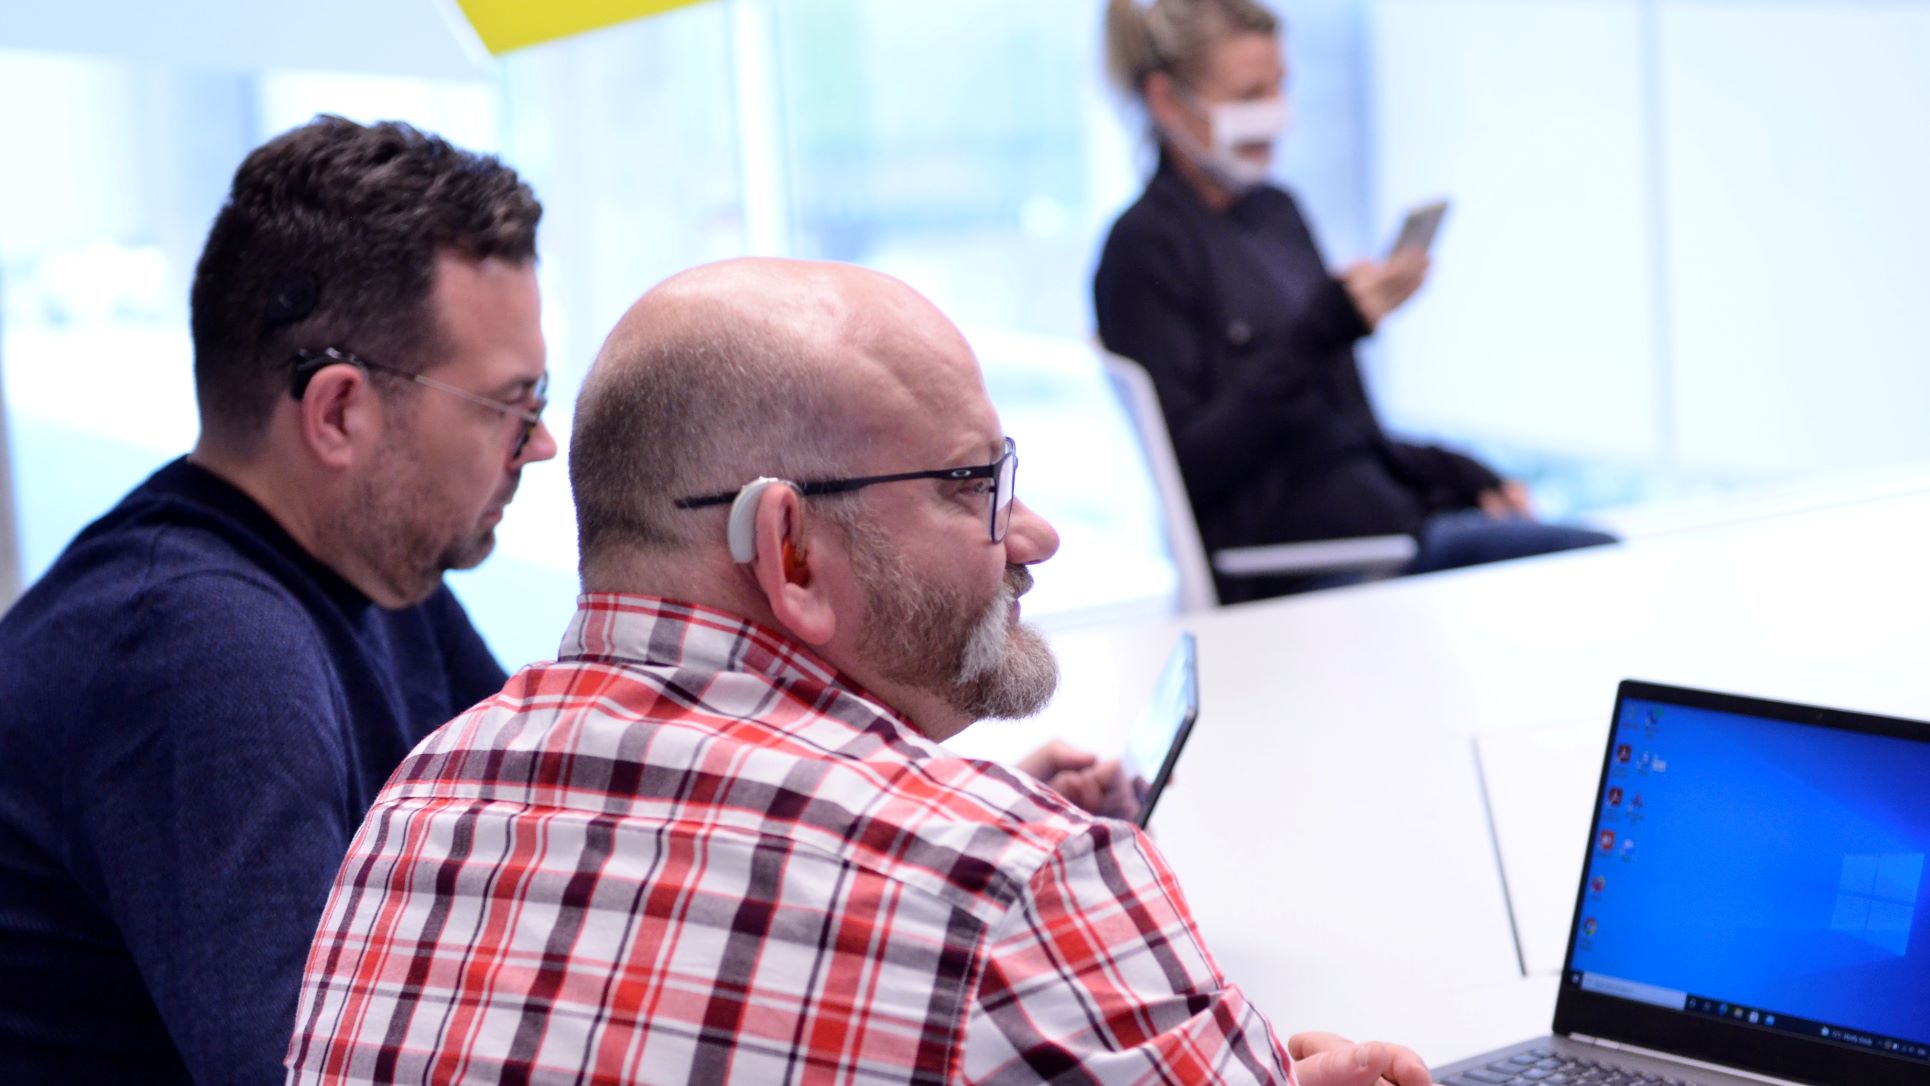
(1804, 1027)
(1744, 1015)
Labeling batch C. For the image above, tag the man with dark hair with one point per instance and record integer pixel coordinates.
(718, 840)
(201, 697)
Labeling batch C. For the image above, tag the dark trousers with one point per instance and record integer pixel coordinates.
(1466, 537)
(1469, 537)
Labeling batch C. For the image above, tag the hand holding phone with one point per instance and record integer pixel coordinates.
(1379, 288)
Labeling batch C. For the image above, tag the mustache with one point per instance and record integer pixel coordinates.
(1018, 580)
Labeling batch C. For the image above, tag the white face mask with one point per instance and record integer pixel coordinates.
(1231, 125)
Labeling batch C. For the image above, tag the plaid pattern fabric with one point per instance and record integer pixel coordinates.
(690, 852)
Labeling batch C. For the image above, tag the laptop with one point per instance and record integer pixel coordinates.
(1749, 909)
(1154, 741)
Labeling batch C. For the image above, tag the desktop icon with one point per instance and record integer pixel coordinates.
(1615, 797)
(1608, 840)
(1598, 884)
(1647, 758)
(1628, 846)
(1659, 766)
(1622, 753)
(1752, 1017)
(1588, 926)
(1635, 801)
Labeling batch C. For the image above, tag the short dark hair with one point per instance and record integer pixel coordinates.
(329, 237)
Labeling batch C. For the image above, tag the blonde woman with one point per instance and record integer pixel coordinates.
(1214, 283)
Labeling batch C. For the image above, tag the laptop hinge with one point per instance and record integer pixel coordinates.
(1681, 1061)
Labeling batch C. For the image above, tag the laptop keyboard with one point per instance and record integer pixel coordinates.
(1541, 1067)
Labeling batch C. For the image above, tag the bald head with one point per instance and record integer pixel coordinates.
(752, 367)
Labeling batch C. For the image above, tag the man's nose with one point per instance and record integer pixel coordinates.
(541, 445)
(1031, 538)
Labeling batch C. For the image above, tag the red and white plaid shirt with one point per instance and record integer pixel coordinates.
(688, 851)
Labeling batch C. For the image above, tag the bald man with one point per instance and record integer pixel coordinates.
(717, 839)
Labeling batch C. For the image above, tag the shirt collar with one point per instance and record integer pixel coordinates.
(674, 633)
(1168, 180)
(652, 631)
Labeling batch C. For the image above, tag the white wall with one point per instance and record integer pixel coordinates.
(1798, 187)
(1537, 325)
(9, 532)
(1686, 235)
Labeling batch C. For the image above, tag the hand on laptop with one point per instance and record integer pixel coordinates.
(1080, 777)
(1326, 1059)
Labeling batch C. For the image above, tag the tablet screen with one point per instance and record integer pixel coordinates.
(1153, 744)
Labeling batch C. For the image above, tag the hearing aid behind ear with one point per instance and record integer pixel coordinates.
(743, 517)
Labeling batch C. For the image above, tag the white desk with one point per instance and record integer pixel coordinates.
(1328, 823)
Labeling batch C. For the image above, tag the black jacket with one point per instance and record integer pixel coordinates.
(1250, 343)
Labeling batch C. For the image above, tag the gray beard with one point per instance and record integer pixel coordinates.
(982, 664)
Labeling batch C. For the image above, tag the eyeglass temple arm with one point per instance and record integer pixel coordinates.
(840, 486)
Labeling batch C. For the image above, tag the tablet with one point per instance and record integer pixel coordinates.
(1156, 738)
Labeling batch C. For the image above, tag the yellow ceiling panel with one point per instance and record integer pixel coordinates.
(512, 24)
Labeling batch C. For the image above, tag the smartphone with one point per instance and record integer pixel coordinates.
(1423, 221)
(1156, 738)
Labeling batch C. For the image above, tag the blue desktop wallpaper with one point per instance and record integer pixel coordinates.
(1774, 865)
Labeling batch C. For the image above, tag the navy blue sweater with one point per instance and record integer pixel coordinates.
(194, 717)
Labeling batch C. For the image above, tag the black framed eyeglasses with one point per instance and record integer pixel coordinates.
(307, 363)
(1003, 473)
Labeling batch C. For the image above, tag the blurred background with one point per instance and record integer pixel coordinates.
(1686, 244)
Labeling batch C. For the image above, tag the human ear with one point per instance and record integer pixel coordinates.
(1161, 95)
(332, 412)
(784, 568)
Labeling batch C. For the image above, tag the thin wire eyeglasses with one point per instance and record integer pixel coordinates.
(307, 363)
(1004, 473)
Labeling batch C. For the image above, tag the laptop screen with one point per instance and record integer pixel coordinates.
(1762, 868)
